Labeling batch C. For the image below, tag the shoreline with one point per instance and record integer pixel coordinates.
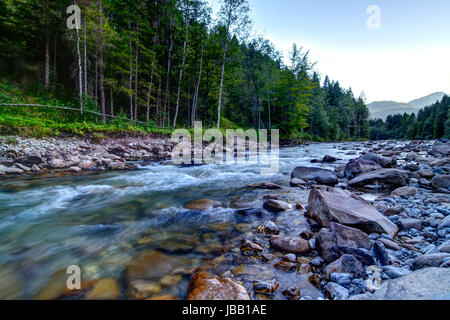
(31, 156)
(56, 156)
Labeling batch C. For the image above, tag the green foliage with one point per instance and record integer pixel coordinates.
(260, 91)
(432, 122)
(39, 121)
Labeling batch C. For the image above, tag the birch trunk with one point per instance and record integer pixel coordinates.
(136, 69)
(197, 88)
(101, 67)
(80, 70)
(169, 61)
(181, 75)
(47, 49)
(131, 72)
(219, 107)
(85, 49)
(149, 93)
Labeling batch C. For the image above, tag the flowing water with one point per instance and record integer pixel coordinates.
(101, 221)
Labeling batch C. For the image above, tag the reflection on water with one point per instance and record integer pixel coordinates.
(101, 222)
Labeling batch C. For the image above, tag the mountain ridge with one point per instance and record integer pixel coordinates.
(382, 109)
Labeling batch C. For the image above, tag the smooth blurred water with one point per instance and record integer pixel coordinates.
(95, 221)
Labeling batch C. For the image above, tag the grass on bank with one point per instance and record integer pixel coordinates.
(42, 122)
(38, 122)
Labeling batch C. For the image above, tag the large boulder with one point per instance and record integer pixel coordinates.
(320, 176)
(358, 166)
(391, 177)
(384, 162)
(331, 240)
(425, 284)
(329, 205)
(205, 286)
(441, 181)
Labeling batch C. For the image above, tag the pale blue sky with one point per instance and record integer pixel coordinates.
(407, 58)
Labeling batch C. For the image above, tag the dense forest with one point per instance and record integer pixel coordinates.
(432, 122)
(168, 63)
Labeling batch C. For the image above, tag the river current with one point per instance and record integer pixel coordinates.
(101, 221)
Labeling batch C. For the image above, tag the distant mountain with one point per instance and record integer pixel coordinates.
(382, 109)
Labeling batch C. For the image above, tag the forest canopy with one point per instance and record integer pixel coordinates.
(169, 63)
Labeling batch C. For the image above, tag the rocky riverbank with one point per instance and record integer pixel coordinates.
(396, 246)
(76, 155)
(373, 226)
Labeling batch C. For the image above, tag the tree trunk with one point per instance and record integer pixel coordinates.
(169, 61)
(131, 71)
(111, 100)
(101, 66)
(181, 74)
(85, 49)
(80, 71)
(158, 102)
(219, 107)
(268, 99)
(136, 70)
(47, 49)
(197, 88)
(149, 93)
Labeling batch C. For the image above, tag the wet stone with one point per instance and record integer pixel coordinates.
(292, 293)
(265, 287)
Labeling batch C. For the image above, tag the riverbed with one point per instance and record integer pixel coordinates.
(101, 221)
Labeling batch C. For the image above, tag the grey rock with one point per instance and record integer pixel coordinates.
(290, 244)
(277, 205)
(329, 240)
(445, 223)
(361, 297)
(380, 253)
(329, 205)
(394, 211)
(392, 177)
(441, 181)
(345, 264)
(358, 166)
(384, 162)
(342, 279)
(337, 292)
(429, 260)
(395, 272)
(295, 182)
(410, 223)
(317, 261)
(425, 284)
(426, 173)
(321, 176)
(405, 192)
